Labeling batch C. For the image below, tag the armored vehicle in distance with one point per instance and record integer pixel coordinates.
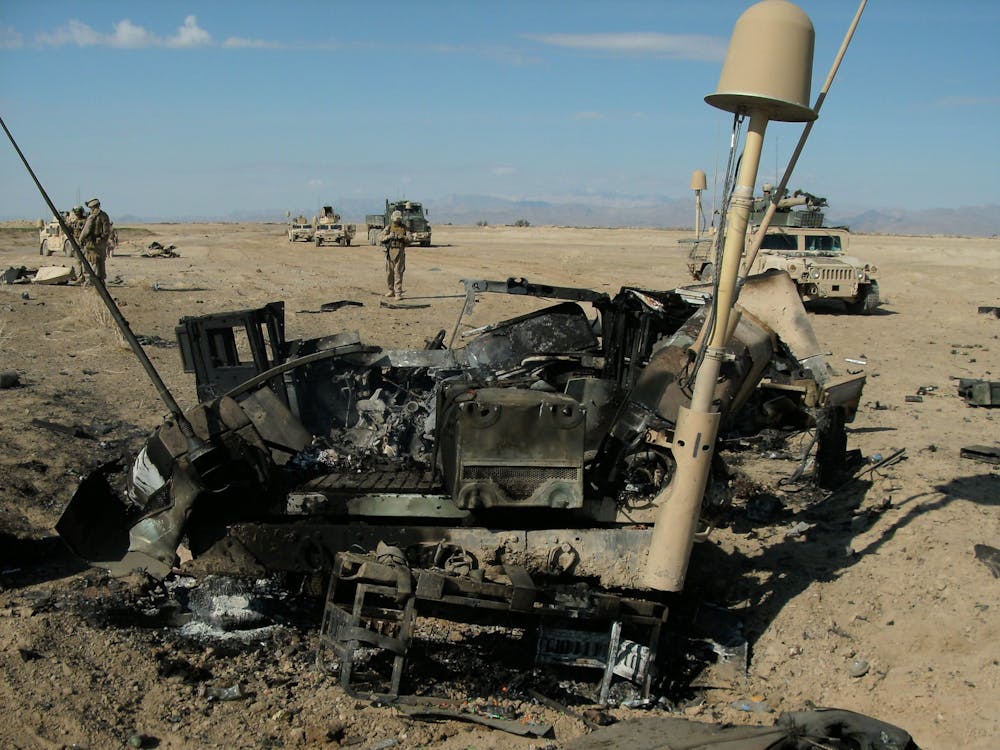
(414, 219)
(329, 230)
(797, 242)
(300, 228)
(52, 239)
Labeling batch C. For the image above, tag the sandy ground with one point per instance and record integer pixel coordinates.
(885, 574)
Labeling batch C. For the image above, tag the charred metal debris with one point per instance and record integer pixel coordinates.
(516, 476)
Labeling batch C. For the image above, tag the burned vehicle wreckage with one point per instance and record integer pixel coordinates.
(527, 463)
(552, 474)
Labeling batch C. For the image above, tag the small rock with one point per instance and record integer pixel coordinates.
(858, 668)
(320, 733)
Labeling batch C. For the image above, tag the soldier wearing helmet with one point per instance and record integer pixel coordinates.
(94, 238)
(394, 239)
(76, 221)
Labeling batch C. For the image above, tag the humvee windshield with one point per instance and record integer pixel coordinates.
(779, 242)
(823, 243)
(814, 243)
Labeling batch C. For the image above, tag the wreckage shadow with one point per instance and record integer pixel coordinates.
(821, 551)
(837, 307)
(27, 562)
(982, 489)
(868, 430)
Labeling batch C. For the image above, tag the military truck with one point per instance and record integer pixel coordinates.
(798, 242)
(52, 239)
(414, 219)
(329, 230)
(299, 228)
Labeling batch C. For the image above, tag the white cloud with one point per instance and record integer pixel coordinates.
(676, 46)
(9, 38)
(495, 52)
(125, 35)
(502, 171)
(189, 35)
(315, 183)
(239, 42)
(588, 116)
(948, 102)
(74, 32)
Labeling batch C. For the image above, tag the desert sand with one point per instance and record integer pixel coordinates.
(885, 574)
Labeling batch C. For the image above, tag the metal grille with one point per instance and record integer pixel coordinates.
(518, 482)
(837, 274)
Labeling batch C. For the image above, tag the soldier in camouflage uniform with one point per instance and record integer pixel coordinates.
(394, 239)
(76, 221)
(94, 238)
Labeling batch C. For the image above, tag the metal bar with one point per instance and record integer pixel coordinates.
(758, 240)
(165, 395)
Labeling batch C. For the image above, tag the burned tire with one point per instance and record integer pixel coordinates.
(707, 273)
(867, 301)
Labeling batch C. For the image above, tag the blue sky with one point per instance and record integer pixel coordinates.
(202, 107)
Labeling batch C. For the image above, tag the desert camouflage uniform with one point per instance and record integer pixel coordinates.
(76, 221)
(395, 238)
(94, 240)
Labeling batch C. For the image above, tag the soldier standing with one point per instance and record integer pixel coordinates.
(76, 221)
(94, 238)
(395, 238)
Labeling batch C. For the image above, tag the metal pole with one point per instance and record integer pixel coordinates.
(698, 426)
(776, 195)
(116, 314)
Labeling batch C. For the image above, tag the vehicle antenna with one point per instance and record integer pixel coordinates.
(763, 86)
(778, 192)
(196, 445)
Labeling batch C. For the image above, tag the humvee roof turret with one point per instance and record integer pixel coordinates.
(328, 229)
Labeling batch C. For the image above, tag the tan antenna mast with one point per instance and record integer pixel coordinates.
(699, 181)
(766, 77)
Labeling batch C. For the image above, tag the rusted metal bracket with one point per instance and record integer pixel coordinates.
(375, 605)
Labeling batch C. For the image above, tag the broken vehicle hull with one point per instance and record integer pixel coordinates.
(539, 444)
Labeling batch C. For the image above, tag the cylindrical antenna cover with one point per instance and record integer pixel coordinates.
(698, 180)
(769, 63)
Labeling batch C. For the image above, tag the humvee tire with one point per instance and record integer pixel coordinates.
(373, 236)
(707, 273)
(319, 242)
(425, 243)
(867, 300)
(347, 241)
(68, 248)
(41, 247)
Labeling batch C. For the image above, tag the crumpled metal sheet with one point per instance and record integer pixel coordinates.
(834, 729)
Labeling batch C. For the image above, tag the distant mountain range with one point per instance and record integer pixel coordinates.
(617, 211)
